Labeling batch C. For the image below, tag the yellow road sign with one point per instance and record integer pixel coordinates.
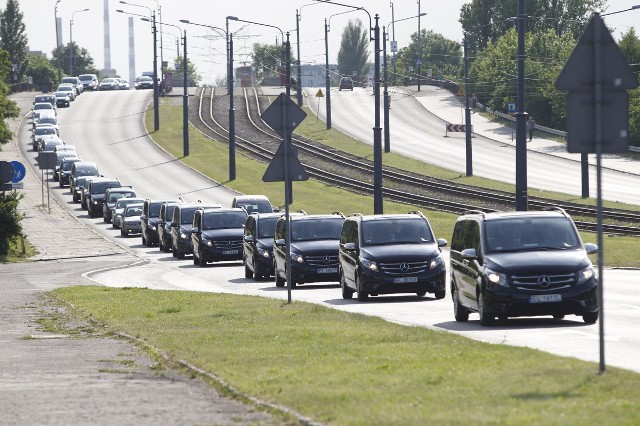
(319, 94)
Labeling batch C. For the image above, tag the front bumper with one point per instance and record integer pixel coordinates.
(430, 281)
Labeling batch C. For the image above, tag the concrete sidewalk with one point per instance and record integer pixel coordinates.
(450, 109)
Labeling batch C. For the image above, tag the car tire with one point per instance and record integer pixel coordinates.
(590, 317)
(347, 293)
(421, 293)
(440, 294)
(174, 252)
(180, 255)
(196, 261)
(105, 219)
(60, 185)
(486, 318)
(363, 296)
(122, 233)
(459, 312)
(166, 248)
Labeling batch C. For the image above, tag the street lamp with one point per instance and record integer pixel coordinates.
(71, 40)
(159, 9)
(185, 94)
(419, 60)
(385, 97)
(299, 68)
(156, 100)
(377, 130)
(55, 15)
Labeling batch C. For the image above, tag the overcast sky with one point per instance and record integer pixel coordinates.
(207, 51)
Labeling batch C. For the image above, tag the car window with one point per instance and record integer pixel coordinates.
(186, 215)
(396, 231)
(154, 210)
(316, 229)
(134, 211)
(267, 227)
(227, 220)
(540, 233)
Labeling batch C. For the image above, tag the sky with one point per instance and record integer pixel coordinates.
(206, 49)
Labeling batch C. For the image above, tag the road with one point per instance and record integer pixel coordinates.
(419, 133)
(106, 128)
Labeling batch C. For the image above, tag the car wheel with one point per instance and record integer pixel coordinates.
(421, 293)
(180, 255)
(347, 293)
(122, 232)
(485, 317)
(590, 317)
(166, 248)
(196, 261)
(459, 312)
(60, 185)
(105, 219)
(440, 294)
(248, 273)
(558, 316)
(75, 199)
(362, 295)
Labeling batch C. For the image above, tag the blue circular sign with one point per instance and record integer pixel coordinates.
(19, 171)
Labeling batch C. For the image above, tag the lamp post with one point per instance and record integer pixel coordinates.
(521, 117)
(185, 94)
(385, 97)
(71, 39)
(419, 60)
(377, 130)
(55, 15)
(156, 94)
(299, 65)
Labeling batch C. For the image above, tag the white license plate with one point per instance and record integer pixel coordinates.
(230, 252)
(328, 270)
(403, 280)
(545, 298)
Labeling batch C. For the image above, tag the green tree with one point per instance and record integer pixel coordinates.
(192, 74)
(8, 108)
(439, 54)
(41, 71)
(630, 46)
(353, 56)
(267, 59)
(485, 21)
(82, 60)
(10, 218)
(13, 39)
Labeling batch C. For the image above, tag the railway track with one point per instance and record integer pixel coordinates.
(328, 165)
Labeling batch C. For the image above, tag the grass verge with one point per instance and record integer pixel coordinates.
(350, 369)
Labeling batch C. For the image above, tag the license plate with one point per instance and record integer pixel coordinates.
(328, 270)
(230, 252)
(545, 298)
(403, 280)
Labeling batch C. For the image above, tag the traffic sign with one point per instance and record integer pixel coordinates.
(19, 171)
(394, 46)
(273, 115)
(511, 107)
(275, 170)
(419, 61)
(46, 160)
(6, 172)
(319, 94)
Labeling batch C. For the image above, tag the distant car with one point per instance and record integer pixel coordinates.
(346, 83)
(50, 120)
(216, 235)
(63, 99)
(49, 144)
(144, 82)
(81, 169)
(40, 106)
(150, 218)
(89, 81)
(111, 196)
(253, 203)
(41, 132)
(61, 154)
(131, 219)
(109, 83)
(65, 170)
(75, 81)
(258, 245)
(45, 98)
(118, 210)
(68, 88)
(124, 84)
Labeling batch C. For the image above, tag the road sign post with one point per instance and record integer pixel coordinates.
(597, 96)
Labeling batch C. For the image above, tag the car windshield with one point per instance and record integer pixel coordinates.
(524, 234)
(396, 231)
(134, 211)
(43, 106)
(267, 227)
(45, 131)
(86, 77)
(255, 206)
(168, 214)
(226, 220)
(61, 94)
(115, 196)
(86, 171)
(67, 164)
(316, 229)
(124, 202)
(101, 187)
(154, 209)
(186, 215)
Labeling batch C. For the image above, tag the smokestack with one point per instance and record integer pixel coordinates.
(107, 43)
(59, 31)
(132, 53)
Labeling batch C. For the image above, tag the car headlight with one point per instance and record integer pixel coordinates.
(297, 257)
(95, 203)
(153, 227)
(435, 262)
(263, 252)
(208, 242)
(496, 278)
(183, 235)
(369, 264)
(586, 274)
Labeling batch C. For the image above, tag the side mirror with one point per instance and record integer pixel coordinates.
(442, 242)
(281, 242)
(249, 238)
(350, 246)
(195, 230)
(174, 225)
(469, 254)
(143, 217)
(591, 248)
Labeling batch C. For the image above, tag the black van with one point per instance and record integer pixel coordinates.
(258, 245)
(511, 264)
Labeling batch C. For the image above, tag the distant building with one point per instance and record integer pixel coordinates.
(314, 75)
(37, 53)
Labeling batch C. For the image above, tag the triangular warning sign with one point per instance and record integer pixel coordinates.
(319, 94)
(275, 171)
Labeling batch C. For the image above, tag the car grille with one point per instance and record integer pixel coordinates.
(543, 283)
(319, 261)
(401, 268)
(227, 244)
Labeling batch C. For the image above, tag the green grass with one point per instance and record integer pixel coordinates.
(351, 369)
(212, 159)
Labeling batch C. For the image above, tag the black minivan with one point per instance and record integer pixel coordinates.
(258, 245)
(512, 264)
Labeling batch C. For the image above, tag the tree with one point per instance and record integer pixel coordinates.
(8, 108)
(13, 39)
(267, 59)
(82, 60)
(192, 75)
(630, 46)
(9, 220)
(439, 54)
(485, 21)
(41, 71)
(353, 56)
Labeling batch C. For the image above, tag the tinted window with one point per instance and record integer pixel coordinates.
(316, 229)
(45, 131)
(101, 187)
(134, 211)
(267, 227)
(86, 171)
(123, 202)
(186, 215)
(154, 210)
(224, 220)
(66, 165)
(552, 233)
(169, 212)
(396, 231)
(255, 206)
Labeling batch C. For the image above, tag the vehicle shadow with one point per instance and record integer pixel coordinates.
(210, 265)
(381, 299)
(512, 324)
